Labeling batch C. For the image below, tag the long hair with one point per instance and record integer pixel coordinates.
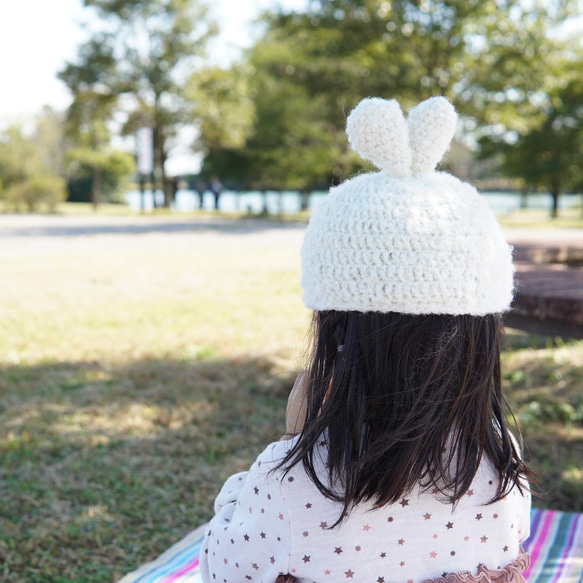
(403, 400)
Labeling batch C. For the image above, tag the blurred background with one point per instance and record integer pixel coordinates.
(159, 160)
(242, 102)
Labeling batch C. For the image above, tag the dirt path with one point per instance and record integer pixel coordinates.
(234, 231)
(30, 231)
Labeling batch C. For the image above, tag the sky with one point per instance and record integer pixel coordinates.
(38, 36)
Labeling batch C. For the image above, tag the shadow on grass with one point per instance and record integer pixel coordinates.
(103, 468)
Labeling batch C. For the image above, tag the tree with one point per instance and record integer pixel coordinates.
(550, 154)
(156, 44)
(350, 49)
(112, 167)
(263, 131)
(311, 68)
(94, 83)
(29, 165)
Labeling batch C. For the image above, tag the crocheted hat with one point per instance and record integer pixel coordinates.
(405, 239)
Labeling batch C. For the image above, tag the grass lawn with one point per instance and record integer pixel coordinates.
(139, 371)
(539, 219)
(531, 218)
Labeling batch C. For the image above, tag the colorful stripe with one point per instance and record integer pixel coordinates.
(189, 568)
(562, 562)
(555, 546)
(540, 545)
(167, 570)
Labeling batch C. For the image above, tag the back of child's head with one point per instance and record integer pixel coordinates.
(407, 271)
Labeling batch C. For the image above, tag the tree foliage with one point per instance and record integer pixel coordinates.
(492, 58)
(112, 168)
(548, 155)
(31, 165)
(155, 46)
(94, 84)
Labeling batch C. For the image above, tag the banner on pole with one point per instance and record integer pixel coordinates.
(145, 150)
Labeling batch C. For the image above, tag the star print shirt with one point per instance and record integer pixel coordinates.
(267, 524)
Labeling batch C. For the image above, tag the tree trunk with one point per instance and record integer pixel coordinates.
(264, 194)
(555, 192)
(153, 188)
(166, 187)
(96, 187)
(154, 155)
(304, 198)
(524, 198)
(555, 209)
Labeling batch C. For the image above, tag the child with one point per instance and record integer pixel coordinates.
(402, 469)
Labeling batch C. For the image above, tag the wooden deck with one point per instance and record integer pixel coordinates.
(549, 280)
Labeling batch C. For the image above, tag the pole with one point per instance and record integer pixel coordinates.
(142, 193)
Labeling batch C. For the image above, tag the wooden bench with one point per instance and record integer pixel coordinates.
(549, 297)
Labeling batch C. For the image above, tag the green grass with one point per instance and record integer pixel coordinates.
(138, 372)
(539, 219)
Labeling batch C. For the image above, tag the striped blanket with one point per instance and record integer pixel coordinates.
(555, 547)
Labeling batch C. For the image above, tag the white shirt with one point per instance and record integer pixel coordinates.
(265, 526)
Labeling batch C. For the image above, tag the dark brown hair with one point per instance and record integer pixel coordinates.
(403, 400)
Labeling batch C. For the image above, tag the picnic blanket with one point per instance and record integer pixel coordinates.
(555, 546)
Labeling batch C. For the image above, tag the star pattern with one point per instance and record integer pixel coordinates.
(258, 513)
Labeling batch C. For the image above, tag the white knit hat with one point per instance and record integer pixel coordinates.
(406, 239)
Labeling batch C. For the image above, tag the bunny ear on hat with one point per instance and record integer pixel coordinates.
(377, 131)
(431, 128)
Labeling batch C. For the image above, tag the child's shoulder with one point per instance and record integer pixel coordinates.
(272, 456)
